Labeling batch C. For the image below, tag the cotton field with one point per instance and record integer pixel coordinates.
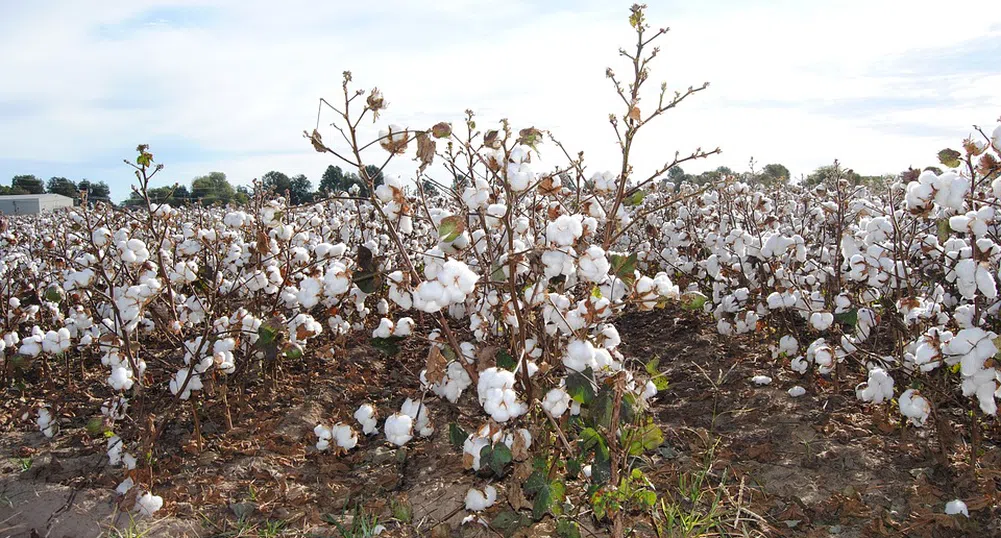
(510, 287)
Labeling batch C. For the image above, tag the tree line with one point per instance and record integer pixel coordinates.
(215, 188)
(30, 184)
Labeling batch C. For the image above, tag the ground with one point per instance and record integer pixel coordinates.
(738, 459)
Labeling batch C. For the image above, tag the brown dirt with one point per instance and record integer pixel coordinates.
(818, 465)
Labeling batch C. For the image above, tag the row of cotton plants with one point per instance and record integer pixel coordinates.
(900, 283)
(517, 274)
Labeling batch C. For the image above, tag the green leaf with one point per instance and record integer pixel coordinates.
(693, 300)
(548, 495)
(949, 157)
(646, 437)
(580, 386)
(451, 228)
(505, 360)
(636, 198)
(624, 266)
(591, 440)
(54, 294)
(567, 529)
(496, 457)
(368, 282)
(293, 352)
(573, 468)
(944, 230)
(647, 497)
(658, 378)
(387, 345)
(849, 317)
(507, 523)
(456, 435)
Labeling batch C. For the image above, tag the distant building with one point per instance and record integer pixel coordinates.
(32, 204)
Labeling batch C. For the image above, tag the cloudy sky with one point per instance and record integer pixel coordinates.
(230, 85)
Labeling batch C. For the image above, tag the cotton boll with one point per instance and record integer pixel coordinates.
(399, 429)
(556, 402)
(877, 389)
(477, 500)
(344, 436)
(46, 423)
(496, 394)
(419, 413)
(384, 330)
(148, 504)
(821, 321)
(580, 355)
(761, 380)
(796, 391)
(404, 327)
(956, 507)
(649, 390)
(914, 407)
(366, 416)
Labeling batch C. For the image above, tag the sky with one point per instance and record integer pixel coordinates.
(229, 86)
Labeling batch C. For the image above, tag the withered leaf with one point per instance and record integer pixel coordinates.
(435, 365)
(316, 140)
(425, 149)
(634, 113)
(492, 140)
(263, 243)
(441, 130)
(365, 259)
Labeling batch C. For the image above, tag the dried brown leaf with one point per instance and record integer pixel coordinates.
(436, 364)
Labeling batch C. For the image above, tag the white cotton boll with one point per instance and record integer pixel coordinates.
(495, 391)
(761, 380)
(46, 423)
(877, 389)
(556, 402)
(477, 500)
(323, 435)
(957, 507)
(384, 330)
(121, 378)
(586, 470)
(404, 327)
(593, 265)
(799, 365)
(399, 429)
(914, 407)
(365, 415)
(649, 390)
(125, 486)
(148, 504)
(565, 230)
(344, 436)
(419, 413)
(580, 355)
(796, 391)
(821, 321)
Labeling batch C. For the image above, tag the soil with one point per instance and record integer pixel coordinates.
(818, 465)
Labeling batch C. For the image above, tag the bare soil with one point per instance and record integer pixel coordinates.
(818, 465)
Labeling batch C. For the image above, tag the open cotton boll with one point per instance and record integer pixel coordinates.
(761, 380)
(148, 504)
(365, 415)
(344, 436)
(821, 321)
(404, 327)
(419, 413)
(384, 330)
(593, 265)
(495, 391)
(46, 422)
(565, 230)
(399, 429)
(914, 407)
(877, 389)
(649, 390)
(556, 402)
(956, 507)
(580, 355)
(323, 434)
(477, 500)
(796, 391)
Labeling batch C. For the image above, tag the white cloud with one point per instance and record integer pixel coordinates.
(232, 86)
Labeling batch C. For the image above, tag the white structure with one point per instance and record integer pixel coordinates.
(32, 204)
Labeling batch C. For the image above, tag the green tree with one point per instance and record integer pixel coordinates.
(63, 186)
(95, 191)
(772, 175)
(211, 189)
(300, 190)
(333, 180)
(5, 190)
(242, 195)
(276, 182)
(29, 183)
